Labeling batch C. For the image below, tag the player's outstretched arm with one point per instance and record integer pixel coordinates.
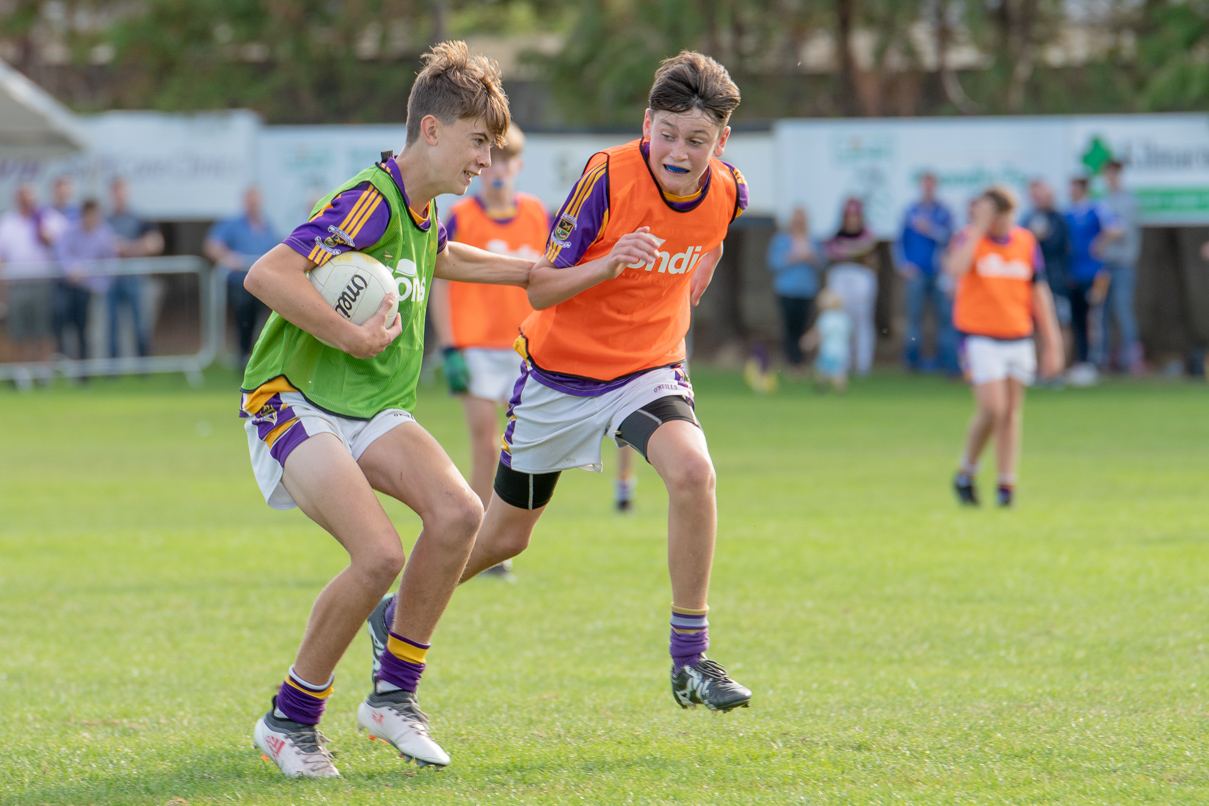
(1053, 353)
(550, 285)
(278, 279)
(469, 264)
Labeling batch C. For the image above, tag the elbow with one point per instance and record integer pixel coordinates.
(254, 280)
(537, 300)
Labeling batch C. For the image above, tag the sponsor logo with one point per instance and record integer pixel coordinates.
(669, 387)
(268, 414)
(348, 297)
(679, 263)
(993, 265)
(378, 717)
(338, 238)
(411, 286)
(564, 228)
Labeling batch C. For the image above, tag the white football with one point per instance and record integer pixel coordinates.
(355, 284)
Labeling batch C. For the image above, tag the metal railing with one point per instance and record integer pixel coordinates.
(211, 317)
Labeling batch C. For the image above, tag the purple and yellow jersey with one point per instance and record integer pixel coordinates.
(352, 220)
(586, 211)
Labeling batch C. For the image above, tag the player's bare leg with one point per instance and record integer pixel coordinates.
(326, 483)
(504, 534)
(990, 407)
(678, 452)
(408, 464)
(1007, 440)
(482, 421)
(324, 480)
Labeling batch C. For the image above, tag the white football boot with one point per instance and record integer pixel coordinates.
(395, 718)
(299, 750)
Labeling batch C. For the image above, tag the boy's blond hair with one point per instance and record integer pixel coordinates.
(513, 145)
(455, 85)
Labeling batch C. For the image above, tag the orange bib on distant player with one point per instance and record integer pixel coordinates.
(995, 297)
(638, 320)
(488, 315)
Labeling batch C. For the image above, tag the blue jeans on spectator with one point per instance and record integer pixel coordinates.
(1119, 307)
(925, 290)
(127, 291)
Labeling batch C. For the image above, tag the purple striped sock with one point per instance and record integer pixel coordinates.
(402, 673)
(301, 702)
(690, 637)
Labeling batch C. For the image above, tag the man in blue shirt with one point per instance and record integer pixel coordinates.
(927, 227)
(236, 244)
(1087, 279)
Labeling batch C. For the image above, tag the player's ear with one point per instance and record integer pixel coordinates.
(646, 125)
(722, 138)
(430, 129)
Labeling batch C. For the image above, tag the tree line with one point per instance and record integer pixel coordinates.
(572, 63)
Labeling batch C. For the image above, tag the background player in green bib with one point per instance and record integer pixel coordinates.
(328, 425)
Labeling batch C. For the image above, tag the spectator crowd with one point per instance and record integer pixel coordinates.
(1090, 252)
(56, 259)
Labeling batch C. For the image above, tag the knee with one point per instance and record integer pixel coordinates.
(457, 518)
(505, 544)
(693, 477)
(382, 562)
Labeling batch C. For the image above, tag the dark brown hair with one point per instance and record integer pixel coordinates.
(694, 81)
(454, 85)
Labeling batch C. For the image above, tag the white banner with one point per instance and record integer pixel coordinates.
(179, 167)
(822, 162)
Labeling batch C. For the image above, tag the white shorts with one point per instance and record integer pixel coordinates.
(552, 426)
(493, 373)
(987, 360)
(287, 420)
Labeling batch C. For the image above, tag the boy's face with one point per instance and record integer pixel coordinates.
(463, 150)
(681, 146)
(500, 175)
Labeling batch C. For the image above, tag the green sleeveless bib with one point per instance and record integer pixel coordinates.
(332, 379)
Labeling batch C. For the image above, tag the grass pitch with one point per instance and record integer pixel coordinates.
(901, 650)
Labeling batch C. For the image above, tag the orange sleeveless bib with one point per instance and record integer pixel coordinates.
(638, 320)
(489, 315)
(995, 297)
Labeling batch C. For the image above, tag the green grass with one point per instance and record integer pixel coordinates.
(901, 650)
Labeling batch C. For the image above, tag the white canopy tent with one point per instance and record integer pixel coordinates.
(32, 123)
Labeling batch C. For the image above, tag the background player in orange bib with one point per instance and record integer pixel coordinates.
(633, 247)
(1001, 293)
(475, 325)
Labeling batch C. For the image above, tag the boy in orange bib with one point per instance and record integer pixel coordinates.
(633, 247)
(1001, 292)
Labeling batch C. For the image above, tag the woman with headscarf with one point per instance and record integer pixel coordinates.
(853, 277)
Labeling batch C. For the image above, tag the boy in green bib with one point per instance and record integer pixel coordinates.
(328, 425)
